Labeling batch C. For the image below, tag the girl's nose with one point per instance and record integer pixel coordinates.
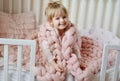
(61, 19)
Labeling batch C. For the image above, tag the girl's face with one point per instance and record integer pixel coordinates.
(60, 22)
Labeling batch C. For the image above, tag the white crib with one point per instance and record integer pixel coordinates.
(83, 13)
(32, 43)
(19, 43)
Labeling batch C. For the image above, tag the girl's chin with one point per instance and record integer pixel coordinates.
(61, 28)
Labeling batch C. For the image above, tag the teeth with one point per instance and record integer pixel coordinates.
(62, 23)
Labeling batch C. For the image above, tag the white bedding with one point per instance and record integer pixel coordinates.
(26, 76)
(12, 73)
(12, 76)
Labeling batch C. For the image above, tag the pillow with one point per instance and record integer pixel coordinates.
(100, 34)
(16, 26)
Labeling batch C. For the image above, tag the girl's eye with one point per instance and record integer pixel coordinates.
(57, 18)
(64, 17)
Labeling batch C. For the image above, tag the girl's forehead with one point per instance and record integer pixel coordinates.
(60, 14)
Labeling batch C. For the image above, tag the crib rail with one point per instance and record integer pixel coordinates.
(19, 43)
(104, 62)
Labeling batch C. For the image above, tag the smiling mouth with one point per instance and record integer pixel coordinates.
(62, 23)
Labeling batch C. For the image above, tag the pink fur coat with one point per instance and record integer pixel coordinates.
(63, 51)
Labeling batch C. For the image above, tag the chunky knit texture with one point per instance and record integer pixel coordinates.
(65, 53)
(62, 50)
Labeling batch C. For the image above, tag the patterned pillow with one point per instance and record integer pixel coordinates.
(16, 26)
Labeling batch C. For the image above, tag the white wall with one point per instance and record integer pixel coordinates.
(83, 13)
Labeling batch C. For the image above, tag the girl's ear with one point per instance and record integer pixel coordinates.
(49, 20)
(51, 23)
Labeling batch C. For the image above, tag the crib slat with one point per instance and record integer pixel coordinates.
(32, 62)
(37, 12)
(99, 14)
(10, 6)
(90, 13)
(26, 6)
(19, 6)
(29, 5)
(19, 59)
(104, 63)
(1, 5)
(116, 17)
(45, 2)
(66, 3)
(115, 74)
(73, 15)
(6, 62)
(108, 15)
(82, 13)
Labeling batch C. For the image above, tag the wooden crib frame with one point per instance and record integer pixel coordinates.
(19, 43)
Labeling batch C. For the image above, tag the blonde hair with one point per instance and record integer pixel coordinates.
(55, 9)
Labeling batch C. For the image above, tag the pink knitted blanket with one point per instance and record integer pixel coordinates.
(64, 56)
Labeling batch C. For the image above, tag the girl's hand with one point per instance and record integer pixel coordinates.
(57, 66)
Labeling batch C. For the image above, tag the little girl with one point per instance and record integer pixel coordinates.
(59, 45)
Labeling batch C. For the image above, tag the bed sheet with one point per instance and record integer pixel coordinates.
(12, 73)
